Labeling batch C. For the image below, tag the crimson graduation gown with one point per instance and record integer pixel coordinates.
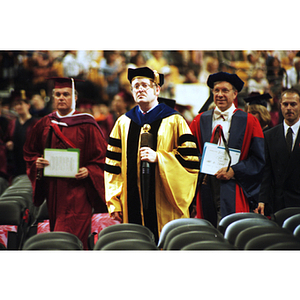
(69, 200)
(240, 193)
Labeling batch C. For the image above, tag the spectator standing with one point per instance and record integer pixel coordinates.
(281, 181)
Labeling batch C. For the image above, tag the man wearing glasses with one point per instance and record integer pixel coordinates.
(235, 188)
(172, 159)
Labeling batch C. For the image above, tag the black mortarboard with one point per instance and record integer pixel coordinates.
(146, 72)
(20, 95)
(256, 98)
(235, 80)
(169, 102)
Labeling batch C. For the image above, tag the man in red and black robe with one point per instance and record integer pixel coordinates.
(235, 189)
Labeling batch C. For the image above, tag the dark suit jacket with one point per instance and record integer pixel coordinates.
(281, 181)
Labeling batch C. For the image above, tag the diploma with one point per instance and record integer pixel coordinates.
(215, 157)
(62, 162)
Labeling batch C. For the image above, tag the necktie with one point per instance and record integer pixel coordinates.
(289, 139)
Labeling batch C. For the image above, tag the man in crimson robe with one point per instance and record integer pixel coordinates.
(233, 189)
(69, 200)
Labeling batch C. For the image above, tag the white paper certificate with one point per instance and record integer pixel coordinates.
(215, 157)
(62, 162)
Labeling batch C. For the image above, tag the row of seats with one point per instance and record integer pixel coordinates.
(239, 231)
(17, 213)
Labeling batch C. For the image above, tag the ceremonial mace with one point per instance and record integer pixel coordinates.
(146, 141)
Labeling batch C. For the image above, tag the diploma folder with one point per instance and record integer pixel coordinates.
(62, 162)
(215, 157)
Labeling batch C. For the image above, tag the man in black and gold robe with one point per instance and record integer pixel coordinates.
(173, 159)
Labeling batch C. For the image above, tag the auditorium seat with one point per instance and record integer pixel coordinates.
(41, 216)
(14, 213)
(52, 244)
(284, 246)
(265, 240)
(249, 233)
(120, 235)
(55, 235)
(236, 227)
(291, 222)
(297, 231)
(127, 226)
(209, 245)
(183, 239)
(2, 247)
(227, 220)
(21, 189)
(177, 222)
(130, 244)
(281, 215)
(187, 228)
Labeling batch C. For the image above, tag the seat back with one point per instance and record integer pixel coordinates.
(227, 220)
(186, 238)
(52, 244)
(130, 244)
(120, 235)
(209, 245)
(14, 212)
(66, 236)
(249, 233)
(236, 227)
(127, 226)
(281, 215)
(284, 246)
(291, 222)
(178, 222)
(187, 228)
(297, 231)
(265, 240)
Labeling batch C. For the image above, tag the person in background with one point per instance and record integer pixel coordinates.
(258, 82)
(256, 104)
(280, 186)
(19, 130)
(39, 106)
(172, 160)
(4, 136)
(236, 188)
(70, 201)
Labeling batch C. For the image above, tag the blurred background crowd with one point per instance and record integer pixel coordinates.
(105, 92)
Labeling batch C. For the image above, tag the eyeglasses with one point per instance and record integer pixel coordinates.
(223, 91)
(58, 94)
(144, 85)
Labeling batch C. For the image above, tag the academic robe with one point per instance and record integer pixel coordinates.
(4, 137)
(18, 134)
(241, 192)
(173, 177)
(281, 181)
(69, 200)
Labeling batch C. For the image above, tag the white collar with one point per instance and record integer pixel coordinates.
(68, 115)
(294, 127)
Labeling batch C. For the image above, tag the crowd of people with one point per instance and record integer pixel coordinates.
(125, 90)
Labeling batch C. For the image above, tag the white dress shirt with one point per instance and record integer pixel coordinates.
(295, 129)
(224, 121)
